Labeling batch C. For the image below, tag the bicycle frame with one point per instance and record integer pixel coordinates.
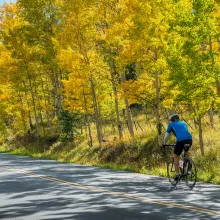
(182, 157)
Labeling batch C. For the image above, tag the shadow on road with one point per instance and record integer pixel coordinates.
(26, 197)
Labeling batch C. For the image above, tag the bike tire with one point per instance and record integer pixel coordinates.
(171, 171)
(191, 176)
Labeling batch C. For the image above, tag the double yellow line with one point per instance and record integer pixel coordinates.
(124, 195)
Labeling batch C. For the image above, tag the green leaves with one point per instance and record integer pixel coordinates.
(69, 125)
(169, 51)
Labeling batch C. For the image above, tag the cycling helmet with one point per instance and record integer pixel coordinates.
(174, 117)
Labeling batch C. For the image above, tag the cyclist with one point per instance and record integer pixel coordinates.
(180, 130)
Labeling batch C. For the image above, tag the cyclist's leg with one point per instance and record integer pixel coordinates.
(188, 155)
(188, 149)
(177, 151)
(176, 163)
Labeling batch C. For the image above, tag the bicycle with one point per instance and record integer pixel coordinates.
(187, 168)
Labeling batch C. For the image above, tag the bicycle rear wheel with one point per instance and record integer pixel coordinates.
(191, 176)
(171, 172)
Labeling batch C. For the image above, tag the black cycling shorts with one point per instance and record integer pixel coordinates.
(180, 146)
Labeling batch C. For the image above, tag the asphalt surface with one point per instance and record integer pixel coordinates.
(46, 189)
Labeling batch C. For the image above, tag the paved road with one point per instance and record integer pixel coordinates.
(46, 189)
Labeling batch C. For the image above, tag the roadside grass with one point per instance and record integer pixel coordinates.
(140, 154)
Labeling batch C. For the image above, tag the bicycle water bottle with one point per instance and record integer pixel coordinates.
(181, 163)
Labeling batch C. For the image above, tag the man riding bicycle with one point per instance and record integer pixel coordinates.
(183, 137)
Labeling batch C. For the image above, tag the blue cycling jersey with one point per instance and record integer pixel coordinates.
(180, 130)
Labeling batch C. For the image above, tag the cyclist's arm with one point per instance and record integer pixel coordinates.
(166, 136)
(168, 131)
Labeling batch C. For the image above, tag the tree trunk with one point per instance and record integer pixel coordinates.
(128, 112)
(22, 113)
(57, 98)
(201, 143)
(28, 103)
(87, 119)
(211, 117)
(158, 120)
(96, 112)
(46, 102)
(50, 113)
(217, 85)
(34, 105)
(39, 108)
(113, 73)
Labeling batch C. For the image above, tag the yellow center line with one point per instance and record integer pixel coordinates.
(121, 194)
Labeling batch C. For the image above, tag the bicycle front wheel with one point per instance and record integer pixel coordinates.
(191, 176)
(171, 172)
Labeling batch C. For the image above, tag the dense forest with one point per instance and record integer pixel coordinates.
(97, 71)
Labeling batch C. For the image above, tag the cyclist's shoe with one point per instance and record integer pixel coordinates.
(177, 177)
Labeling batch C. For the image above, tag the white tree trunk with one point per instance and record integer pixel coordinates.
(96, 112)
(158, 120)
(87, 119)
(201, 143)
(113, 73)
(128, 112)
